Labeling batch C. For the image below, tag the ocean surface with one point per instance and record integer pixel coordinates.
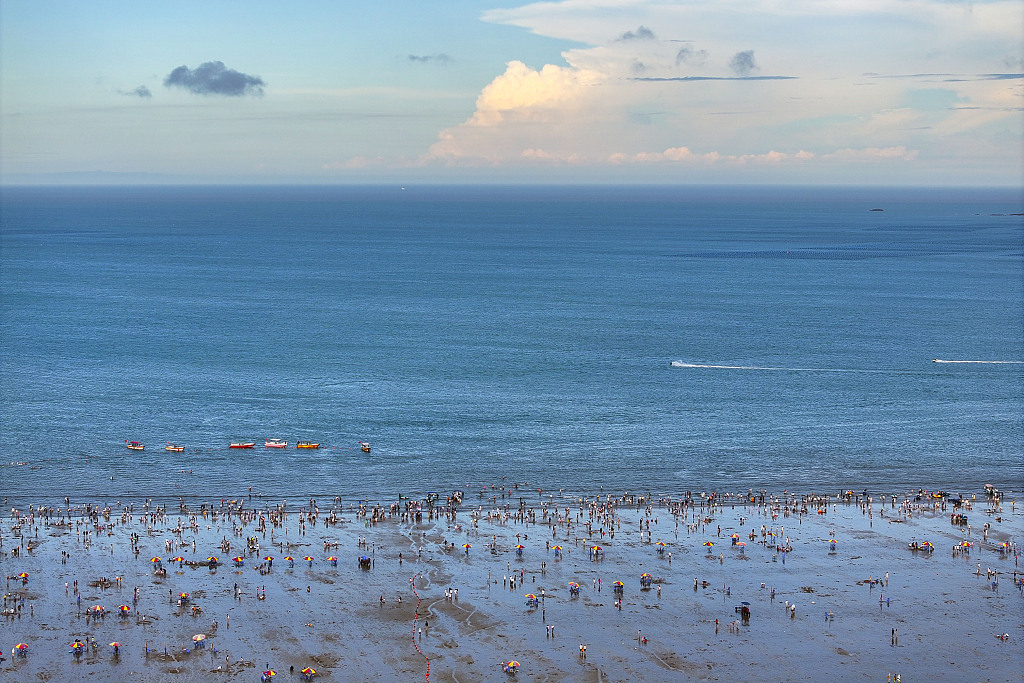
(581, 338)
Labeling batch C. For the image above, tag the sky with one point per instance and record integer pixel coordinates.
(835, 92)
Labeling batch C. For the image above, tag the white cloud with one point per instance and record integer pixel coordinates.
(853, 61)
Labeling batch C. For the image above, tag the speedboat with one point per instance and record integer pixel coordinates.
(365, 445)
(275, 443)
(242, 444)
(307, 444)
(135, 446)
(174, 448)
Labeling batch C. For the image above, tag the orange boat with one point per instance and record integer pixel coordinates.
(242, 444)
(307, 444)
(174, 448)
(135, 446)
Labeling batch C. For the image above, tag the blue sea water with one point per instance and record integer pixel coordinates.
(650, 339)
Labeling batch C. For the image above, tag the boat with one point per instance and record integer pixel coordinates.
(365, 445)
(307, 444)
(173, 447)
(275, 443)
(135, 446)
(242, 444)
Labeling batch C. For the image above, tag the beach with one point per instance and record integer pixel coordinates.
(442, 590)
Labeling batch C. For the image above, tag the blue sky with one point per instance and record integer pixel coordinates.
(911, 92)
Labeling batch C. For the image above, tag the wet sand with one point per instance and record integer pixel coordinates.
(848, 599)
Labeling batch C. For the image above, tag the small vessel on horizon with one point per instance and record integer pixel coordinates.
(275, 443)
(242, 444)
(365, 445)
(173, 447)
(307, 444)
(135, 446)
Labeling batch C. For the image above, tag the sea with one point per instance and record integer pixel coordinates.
(568, 339)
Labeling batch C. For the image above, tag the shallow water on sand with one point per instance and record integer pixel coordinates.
(331, 618)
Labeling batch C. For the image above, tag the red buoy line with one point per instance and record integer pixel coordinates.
(419, 600)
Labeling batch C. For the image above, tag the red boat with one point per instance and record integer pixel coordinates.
(135, 446)
(240, 444)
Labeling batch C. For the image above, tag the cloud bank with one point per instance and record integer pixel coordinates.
(766, 83)
(213, 78)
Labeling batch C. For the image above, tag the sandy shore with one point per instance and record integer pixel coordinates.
(865, 608)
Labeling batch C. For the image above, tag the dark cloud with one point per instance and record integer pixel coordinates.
(742, 63)
(642, 33)
(439, 58)
(687, 55)
(142, 91)
(951, 78)
(213, 78)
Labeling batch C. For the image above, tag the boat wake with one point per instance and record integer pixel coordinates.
(681, 364)
(986, 362)
(774, 368)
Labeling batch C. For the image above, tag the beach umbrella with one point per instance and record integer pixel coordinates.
(309, 559)
(660, 543)
(155, 560)
(239, 561)
(557, 548)
(466, 547)
(291, 560)
(115, 645)
(618, 583)
(199, 637)
(124, 609)
(268, 674)
(573, 584)
(512, 664)
(21, 648)
(97, 609)
(23, 575)
(531, 596)
(212, 560)
(77, 645)
(308, 672)
(333, 560)
(184, 596)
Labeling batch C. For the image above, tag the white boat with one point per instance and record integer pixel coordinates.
(275, 443)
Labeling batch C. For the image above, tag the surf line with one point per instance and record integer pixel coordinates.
(419, 600)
